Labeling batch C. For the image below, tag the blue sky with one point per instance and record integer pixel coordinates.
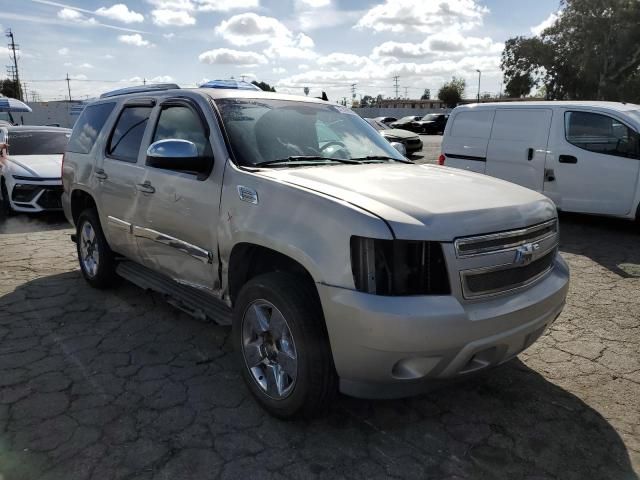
(322, 44)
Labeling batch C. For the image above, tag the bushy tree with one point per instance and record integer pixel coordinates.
(592, 51)
(426, 95)
(9, 88)
(451, 92)
(264, 86)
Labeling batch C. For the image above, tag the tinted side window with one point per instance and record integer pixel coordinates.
(181, 122)
(126, 137)
(600, 134)
(88, 126)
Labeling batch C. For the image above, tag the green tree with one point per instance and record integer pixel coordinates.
(264, 86)
(451, 93)
(8, 88)
(367, 101)
(426, 95)
(592, 51)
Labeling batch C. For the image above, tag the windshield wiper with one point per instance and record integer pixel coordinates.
(380, 157)
(303, 158)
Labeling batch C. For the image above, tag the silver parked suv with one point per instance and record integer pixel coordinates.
(340, 264)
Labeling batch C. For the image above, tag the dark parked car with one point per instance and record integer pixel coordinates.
(386, 120)
(410, 140)
(433, 123)
(406, 123)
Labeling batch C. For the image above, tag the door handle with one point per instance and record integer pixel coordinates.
(145, 187)
(567, 159)
(530, 154)
(101, 174)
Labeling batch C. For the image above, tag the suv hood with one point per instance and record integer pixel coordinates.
(426, 202)
(45, 166)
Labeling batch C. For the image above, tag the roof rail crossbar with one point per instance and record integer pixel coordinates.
(155, 87)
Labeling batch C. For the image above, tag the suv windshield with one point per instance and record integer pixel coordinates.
(37, 142)
(263, 131)
(377, 124)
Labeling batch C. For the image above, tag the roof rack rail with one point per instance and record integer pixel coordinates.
(155, 87)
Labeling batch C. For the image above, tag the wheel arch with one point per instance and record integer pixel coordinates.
(248, 260)
(80, 201)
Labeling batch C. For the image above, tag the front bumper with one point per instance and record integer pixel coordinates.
(389, 347)
(36, 196)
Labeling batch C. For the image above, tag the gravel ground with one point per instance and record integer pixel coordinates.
(117, 384)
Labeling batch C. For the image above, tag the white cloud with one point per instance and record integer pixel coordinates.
(444, 43)
(178, 18)
(309, 18)
(546, 23)
(226, 56)
(250, 28)
(248, 75)
(422, 16)
(68, 64)
(64, 51)
(304, 41)
(69, 14)
(107, 56)
(315, 3)
(279, 70)
(225, 5)
(173, 4)
(134, 39)
(162, 79)
(168, 36)
(303, 66)
(121, 13)
(342, 60)
(85, 65)
(78, 77)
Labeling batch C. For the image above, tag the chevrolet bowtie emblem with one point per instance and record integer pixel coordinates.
(526, 253)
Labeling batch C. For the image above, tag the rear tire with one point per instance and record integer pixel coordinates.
(97, 261)
(283, 347)
(5, 204)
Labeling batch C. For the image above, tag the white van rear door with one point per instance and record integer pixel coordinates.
(518, 146)
(465, 140)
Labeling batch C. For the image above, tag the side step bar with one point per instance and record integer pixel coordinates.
(188, 299)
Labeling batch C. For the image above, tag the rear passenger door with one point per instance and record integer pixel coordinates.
(118, 174)
(179, 210)
(518, 146)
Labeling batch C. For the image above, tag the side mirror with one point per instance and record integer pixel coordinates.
(399, 147)
(175, 154)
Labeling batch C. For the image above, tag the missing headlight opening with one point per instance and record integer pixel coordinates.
(399, 267)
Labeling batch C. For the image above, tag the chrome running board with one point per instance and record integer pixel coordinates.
(188, 299)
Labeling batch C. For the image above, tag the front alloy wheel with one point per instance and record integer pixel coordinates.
(269, 349)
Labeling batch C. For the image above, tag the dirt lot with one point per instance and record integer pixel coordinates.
(118, 384)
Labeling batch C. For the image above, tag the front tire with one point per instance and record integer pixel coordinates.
(97, 261)
(284, 352)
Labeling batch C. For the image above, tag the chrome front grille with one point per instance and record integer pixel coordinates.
(502, 262)
(496, 242)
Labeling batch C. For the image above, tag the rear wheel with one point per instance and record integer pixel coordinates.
(5, 204)
(278, 330)
(97, 261)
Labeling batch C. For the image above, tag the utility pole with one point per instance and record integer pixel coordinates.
(242, 77)
(15, 48)
(479, 75)
(395, 80)
(144, 81)
(69, 86)
(406, 92)
(353, 90)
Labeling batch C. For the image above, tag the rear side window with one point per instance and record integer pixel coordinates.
(601, 134)
(473, 124)
(37, 143)
(125, 140)
(88, 126)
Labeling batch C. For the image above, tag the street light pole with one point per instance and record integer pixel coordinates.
(479, 75)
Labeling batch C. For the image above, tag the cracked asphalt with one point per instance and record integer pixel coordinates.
(118, 384)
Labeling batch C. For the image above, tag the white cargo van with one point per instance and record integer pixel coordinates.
(585, 156)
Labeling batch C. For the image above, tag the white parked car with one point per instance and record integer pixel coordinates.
(30, 167)
(585, 156)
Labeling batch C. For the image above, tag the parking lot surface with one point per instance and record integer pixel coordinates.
(118, 384)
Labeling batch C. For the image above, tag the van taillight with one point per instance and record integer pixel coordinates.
(441, 159)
